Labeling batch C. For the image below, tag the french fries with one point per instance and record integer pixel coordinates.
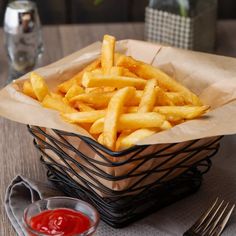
(132, 121)
(146, 71)
(83, 117)
(57, 104)
(114, 110)
(149, 97)
(118, 99)
(107, 57)
(39, 86)
(76, 79)
(127, 141)
(28, 90)
(90, 80)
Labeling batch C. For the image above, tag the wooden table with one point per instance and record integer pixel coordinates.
(18, 155)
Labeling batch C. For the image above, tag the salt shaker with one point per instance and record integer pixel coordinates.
(23, 37)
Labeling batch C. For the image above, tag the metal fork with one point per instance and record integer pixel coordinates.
(213, 221)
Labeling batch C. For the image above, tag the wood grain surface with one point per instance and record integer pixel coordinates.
(18, 155)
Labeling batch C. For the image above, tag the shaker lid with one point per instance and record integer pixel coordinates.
(20, 17)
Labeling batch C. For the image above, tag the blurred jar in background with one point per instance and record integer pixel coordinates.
(23, 37)
(189, 24)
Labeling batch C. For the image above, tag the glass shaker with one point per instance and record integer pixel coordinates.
(189, 24)
(23, 37)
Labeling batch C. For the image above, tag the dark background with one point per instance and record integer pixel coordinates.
(84, 11)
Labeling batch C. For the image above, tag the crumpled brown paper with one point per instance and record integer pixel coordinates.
(211, 77)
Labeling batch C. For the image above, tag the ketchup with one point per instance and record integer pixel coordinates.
(61, 221)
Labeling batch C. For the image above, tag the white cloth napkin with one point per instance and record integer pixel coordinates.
(170, 221)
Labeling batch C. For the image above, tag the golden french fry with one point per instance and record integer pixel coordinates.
(162, 98)
(100, 139)
(65, 86)
(97, 71)
(166, 125)
(149, 97)
(57, 104)
(56, 95)
(116, 71)
(122, 135)
(181, 112)
(114, 110)
(128, 73)
(132, 121)
(28, 90)
(107, 55)
(73, 91)
(90, 80)
(101, 100)
(83, 117)
(96, 100)
(176, 98)
(83, 107)
(39, 86)
(131, 139)
(146, 71)
(99, 89)
(76, 79)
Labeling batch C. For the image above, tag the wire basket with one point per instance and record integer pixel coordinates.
(127, 185)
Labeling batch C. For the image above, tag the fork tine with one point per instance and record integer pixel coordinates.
(210, 218)
(223, 223)
(216, 220)
(203, 217)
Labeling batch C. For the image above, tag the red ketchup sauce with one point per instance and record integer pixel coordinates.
(62, 221)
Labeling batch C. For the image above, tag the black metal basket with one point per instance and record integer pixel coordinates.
(124, 186)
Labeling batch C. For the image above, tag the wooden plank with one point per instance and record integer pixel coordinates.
(76, 37)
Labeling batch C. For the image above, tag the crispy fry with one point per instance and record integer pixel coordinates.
(76, 79)
(97, 71)
(149, 96)
(116, 71)
(131, 139)
(83, 107)
(56, 95)
(56, 104)
(96, 100)
(100, 139)
(146, 71)
(107, 57)
(182, 112)
(114, 110)
(90, 80)
(74, 91)
(132, 121)
(99, 89)
(28, 90)
(65, 86)
(176, 98)
(83, 117)
(122, 135)
(39, 86)
(128, 73)
(162, 98)
(166, 125)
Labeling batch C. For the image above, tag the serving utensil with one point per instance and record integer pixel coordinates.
(213, 221)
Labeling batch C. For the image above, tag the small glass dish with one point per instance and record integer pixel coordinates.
(62, 203)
